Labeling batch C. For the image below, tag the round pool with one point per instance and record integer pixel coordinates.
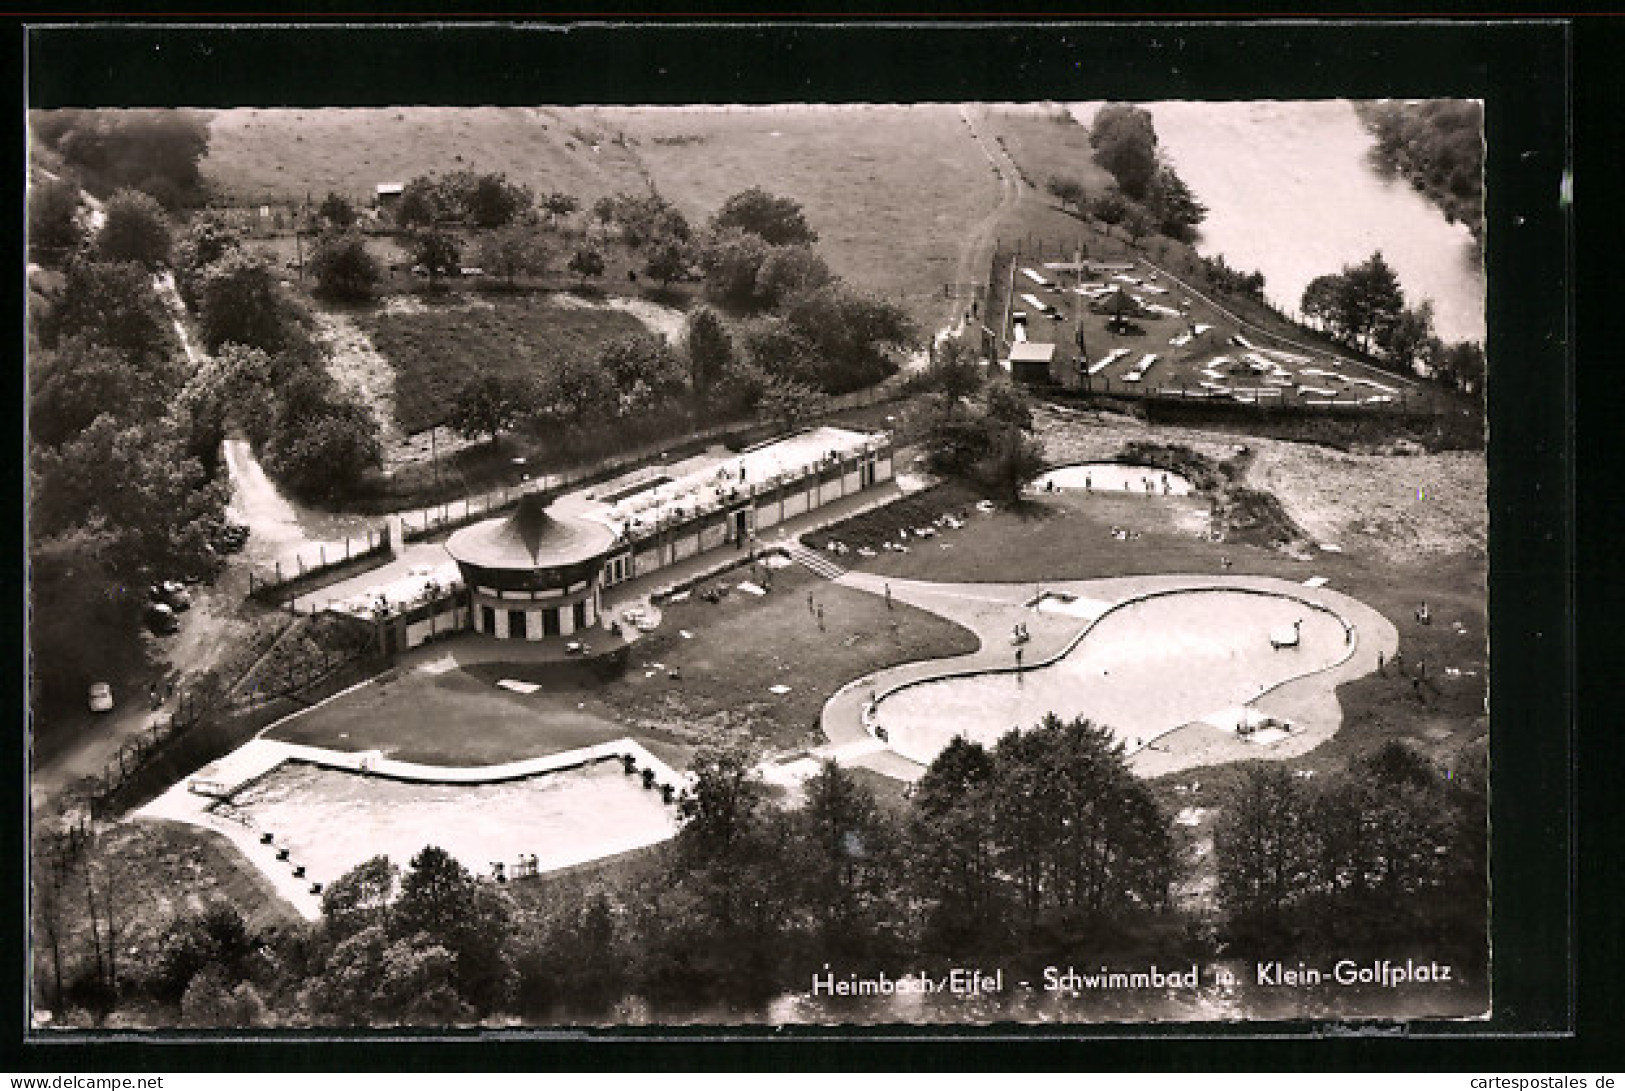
(1114, 477)
(1144, 668)
(332, 819)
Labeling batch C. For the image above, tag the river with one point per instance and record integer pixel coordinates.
(1291, 192)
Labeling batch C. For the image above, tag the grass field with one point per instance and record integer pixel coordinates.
(1047, 144)
(278, 156)
(889, 189)
(436, 345)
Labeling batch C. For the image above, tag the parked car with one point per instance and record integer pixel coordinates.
(162, 620)
(173, 594)
(101, 697)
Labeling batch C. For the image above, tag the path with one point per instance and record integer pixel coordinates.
(976, 251)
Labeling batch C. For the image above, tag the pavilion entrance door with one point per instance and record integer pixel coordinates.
(741, 530)
(516, 624)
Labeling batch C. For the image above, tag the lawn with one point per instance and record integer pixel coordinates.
(746, 644)
(456, 718)
(1047, 143)
(890, 190)
(279, 156)
(435, 345)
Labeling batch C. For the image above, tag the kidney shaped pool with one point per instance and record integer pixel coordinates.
(1144, 668)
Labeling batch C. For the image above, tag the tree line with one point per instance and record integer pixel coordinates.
(1042, 847)
(1438, 145)
(1364, 307)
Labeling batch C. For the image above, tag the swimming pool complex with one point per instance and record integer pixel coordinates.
(1144, 668)
(333, 819)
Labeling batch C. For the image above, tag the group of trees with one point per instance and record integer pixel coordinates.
(268, 375)
(1372, 854)
(1437, 144)
(975, 428)
(154, 151)
(1364, 307)
(1034, 849)
(1148, 196)
(462, 197)
(118, 495)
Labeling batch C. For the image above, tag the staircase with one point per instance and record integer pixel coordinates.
(813, 561)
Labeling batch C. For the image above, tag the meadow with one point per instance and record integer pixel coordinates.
(436, 344)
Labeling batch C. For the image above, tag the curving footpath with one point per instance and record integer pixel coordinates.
(1309, 701)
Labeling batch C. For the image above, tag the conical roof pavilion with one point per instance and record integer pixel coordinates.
(532, 537)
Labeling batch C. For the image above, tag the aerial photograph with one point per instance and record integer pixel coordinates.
(948, 563)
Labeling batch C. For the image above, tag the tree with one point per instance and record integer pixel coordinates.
(240, 299)
(337, 210)
(1068, 191)
(778, 221)
(1372, 300)
(323, 440)
(578, 389)
(1322, 302)
(709, 347)
(1461, 364)
(1262, 850)
(851, 335)
(843, 857)
(559, 204)
(419, 203)
(786, 271)
(787, 403)
(373, 977)
(54, 230)
(112, 305)
(587, 263)
(1110, 207)
(488, 405)
(723, 805)
(667, 259)
(954, 371)
(1409, 341)
(731, 261)
(513, 251)
(360, 898)
(442, 901)
(216, 937)
(1173, 208)
(644, 370)
(209, 240)
(493, 201)
(1008, 406)
(80, 380)
(437, 252)
(1125, 142)
(343, 266)
(155, 151)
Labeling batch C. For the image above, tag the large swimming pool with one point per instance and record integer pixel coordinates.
(331, 819)
(1144, 668)
(1114, 477)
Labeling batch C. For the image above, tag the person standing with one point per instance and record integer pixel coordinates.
(888, 596)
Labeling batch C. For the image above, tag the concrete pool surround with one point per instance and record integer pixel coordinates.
(871, 717)
(1305, 699)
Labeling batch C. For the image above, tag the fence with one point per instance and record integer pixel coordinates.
(276, 583)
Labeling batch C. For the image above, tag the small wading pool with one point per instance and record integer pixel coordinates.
(1144, 669)
(332, 819)
(1113, 477)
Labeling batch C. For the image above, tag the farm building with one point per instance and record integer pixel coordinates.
(388, 195)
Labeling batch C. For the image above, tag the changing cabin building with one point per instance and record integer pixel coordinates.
(542, 569)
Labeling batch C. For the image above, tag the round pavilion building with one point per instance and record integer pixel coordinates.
(533, 574)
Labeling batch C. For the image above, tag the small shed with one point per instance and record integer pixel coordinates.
(1030, 362)
(388, 194)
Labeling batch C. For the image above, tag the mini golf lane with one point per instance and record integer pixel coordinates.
(1143, 669)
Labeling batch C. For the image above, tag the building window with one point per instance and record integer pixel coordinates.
(580, 616)
(516, 624)
(488, 620)
(550, 622)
